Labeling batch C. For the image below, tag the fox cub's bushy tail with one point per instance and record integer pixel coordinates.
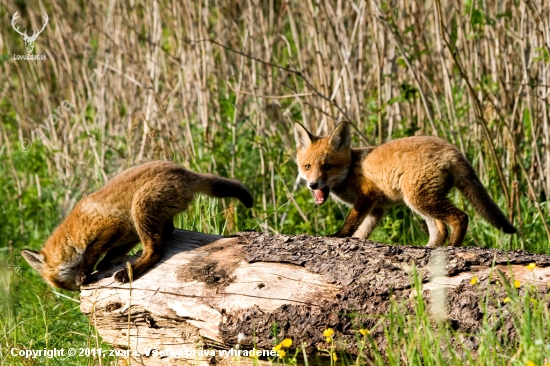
(472, 188)
(215, 186)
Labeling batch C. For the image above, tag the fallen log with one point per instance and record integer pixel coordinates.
(210, 294)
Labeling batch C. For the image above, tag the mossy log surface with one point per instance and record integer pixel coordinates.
(207, 289)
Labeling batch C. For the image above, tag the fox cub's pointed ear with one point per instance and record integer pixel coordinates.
(34, 259)
(302, 136)
(340, 138)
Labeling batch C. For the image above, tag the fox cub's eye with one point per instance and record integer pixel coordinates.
(307, 166)
(327, 166)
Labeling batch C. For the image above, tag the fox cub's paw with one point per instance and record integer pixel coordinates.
(122, 276)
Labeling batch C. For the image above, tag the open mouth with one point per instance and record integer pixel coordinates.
(320, 195)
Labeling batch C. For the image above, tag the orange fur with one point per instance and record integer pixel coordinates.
(137, 205)
(417, 171)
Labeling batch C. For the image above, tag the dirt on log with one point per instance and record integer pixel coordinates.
(208, 291)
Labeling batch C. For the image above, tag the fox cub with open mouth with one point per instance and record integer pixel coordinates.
(137, 205)
(417, 171)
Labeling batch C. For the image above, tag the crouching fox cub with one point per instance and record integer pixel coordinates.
(417, 171)
(137, 205)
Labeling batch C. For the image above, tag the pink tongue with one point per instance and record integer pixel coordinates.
(319, 196)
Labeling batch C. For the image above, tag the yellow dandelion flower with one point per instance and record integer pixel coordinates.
(334, 357)
(329, 339)
(530, 363)
(287, 342)
(281, 353)
(506, 300)
(531, 266)
(328, 332)
(278, 347)
(474, 280)
(517, 283)
(364, 332)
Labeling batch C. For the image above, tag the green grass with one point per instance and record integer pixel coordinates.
(35, 316)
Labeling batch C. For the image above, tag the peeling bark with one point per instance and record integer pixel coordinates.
(206, 290)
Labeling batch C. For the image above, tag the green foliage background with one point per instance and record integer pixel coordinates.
(216, 86)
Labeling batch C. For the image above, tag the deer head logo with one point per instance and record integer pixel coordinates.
(29, 41)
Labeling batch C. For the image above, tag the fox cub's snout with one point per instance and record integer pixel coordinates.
(417, 171)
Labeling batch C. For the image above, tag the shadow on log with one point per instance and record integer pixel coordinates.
(206, 290)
